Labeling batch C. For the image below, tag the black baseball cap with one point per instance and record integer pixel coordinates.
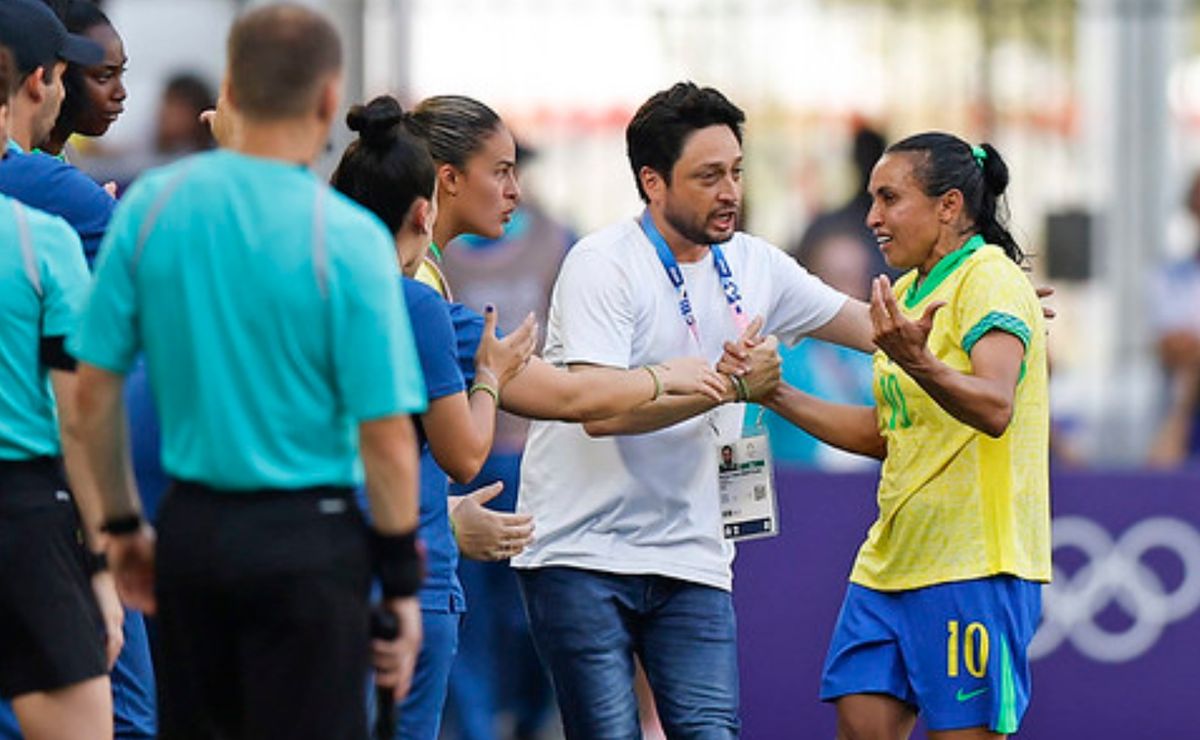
(36, 37)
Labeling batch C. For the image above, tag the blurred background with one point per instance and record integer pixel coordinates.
(1095, 104)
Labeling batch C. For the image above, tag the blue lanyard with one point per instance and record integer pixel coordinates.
(733, 297)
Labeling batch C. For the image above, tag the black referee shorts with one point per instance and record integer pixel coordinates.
(51, 633)
(263, 614)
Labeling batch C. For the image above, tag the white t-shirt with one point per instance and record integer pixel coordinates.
(648, 503)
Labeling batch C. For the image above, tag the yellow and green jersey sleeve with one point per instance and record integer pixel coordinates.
(954, 503)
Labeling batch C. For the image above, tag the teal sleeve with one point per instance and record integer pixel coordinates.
(65, 279)
(108, 335)
(375, 360)
(996, 321)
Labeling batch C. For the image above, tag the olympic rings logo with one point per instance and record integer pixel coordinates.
(1116, 574)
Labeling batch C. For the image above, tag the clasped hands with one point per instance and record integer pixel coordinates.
(754, 360)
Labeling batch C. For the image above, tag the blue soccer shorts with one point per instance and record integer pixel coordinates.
(956, 652)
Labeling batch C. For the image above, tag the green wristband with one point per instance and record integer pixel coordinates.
(486, 388)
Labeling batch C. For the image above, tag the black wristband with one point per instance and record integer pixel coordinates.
(95, 562)
(398, 563)
(122, 525)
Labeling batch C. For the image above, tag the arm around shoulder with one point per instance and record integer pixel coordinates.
(849, 327)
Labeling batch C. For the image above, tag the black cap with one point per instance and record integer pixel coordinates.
(37, 38)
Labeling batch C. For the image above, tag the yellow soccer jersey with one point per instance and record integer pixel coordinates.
(954, 503)
(429, 273)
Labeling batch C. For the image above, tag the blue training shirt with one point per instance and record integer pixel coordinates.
(51, 185)
(468, 332)
(438, 350)
(270, 315)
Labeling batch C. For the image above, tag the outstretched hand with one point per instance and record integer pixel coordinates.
(900, 338)
(484, 534)
(684, 376)
(223, 122)
(498, 360)
(1044, 292)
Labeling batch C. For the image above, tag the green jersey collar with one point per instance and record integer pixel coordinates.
(920, 289)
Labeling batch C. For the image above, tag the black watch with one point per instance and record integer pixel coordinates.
(95, 562)
(127, 524)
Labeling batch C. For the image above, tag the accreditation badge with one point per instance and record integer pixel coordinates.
(747, 486)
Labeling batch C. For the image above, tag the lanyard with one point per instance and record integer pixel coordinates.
(733, 297)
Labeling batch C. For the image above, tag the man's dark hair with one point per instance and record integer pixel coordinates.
(8, 75)
(655, 136)
(279, 56)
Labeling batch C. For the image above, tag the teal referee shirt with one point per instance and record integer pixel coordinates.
(269, 311)
(43, 284)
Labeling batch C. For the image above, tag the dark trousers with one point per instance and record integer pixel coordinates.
(263, 614)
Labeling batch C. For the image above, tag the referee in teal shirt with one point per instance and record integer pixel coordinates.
(53, 657)
(279, 353)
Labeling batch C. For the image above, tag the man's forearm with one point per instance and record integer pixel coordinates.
(389, 455)
(102, 433)
(850, 327)
(654, 415)
(83, 486)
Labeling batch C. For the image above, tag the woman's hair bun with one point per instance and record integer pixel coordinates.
(376, 121)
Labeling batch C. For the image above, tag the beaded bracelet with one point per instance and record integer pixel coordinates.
(487, 388)
(658, 386)
(739, 388)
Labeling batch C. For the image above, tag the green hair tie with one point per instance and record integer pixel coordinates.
(980, 155)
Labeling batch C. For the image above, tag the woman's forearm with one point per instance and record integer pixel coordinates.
(542, 391)
(847, 427)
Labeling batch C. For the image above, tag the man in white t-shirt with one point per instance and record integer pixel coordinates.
(629, 556)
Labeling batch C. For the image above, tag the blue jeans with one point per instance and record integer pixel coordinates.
(587, 627)
(419, 716)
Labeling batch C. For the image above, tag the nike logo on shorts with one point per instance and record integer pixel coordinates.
(968, 695)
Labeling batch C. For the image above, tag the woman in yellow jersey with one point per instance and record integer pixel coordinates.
(945, 593)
